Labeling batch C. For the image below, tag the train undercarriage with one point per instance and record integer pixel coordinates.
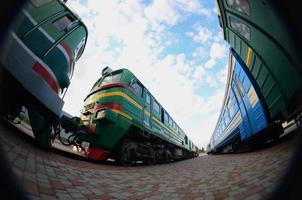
(14, 97)
(236, 145)
(129, 151)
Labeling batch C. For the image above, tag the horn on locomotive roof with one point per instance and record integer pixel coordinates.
(106, 71)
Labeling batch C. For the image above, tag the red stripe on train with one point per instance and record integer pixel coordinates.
(109, 106)
(111, 85)
(67, 49)
(40, 69)
(69, 53)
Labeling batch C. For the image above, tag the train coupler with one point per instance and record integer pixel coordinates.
(70, 132)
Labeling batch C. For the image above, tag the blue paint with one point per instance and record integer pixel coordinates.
(254, 117)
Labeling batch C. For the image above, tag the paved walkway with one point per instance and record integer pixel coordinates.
(49, 175)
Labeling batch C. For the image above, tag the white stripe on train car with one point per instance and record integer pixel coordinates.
(36, 58)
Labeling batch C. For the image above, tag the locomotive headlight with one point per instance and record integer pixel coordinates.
(101, 114)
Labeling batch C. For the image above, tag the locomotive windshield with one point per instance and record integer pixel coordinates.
(110, 78)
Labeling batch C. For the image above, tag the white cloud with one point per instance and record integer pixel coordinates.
(193, 7)
(162, 12)
(140, 33)
(200, 52)
(218, 50)
(222, 74)
(198, 74)
(202, 34)
(210, 63)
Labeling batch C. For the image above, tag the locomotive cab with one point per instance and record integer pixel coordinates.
(37, 59)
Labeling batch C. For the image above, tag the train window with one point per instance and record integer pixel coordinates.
(235, 105)
(222, 124)
(79, 49)
(239, 5)
(148, 99)
(253, 98)
(137, 88)
(156, 108)
(39, 3)
(112, 78)
(240, 27)
(230, 107)
(62, 23)
(166, 118)
(170, 121)
(237, 94)
(240, 85)
(220, 130)
(96, 83)
(226, 117)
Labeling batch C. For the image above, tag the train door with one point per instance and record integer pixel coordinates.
(147, 109)
(245, 127)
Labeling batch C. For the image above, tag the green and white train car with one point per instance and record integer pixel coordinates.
(37, 60)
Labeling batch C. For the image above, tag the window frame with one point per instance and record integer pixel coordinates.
(134, 86)
(157, 113)
(234, 21)
(165, 117)
(148, 95)
(239, 9)
(170, 122)
(57, 23)
(39, 3)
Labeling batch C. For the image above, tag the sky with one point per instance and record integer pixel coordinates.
(174, 47)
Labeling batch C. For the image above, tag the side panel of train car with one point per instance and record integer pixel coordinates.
(38, 57)
(243, 115)
(118, 109)
(255, 32)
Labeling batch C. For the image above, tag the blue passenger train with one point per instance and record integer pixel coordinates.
(244, 116)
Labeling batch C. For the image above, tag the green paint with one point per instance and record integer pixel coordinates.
(111, 129)
(274, 59)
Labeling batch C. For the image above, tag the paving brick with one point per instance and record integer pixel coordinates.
(48, 197)
(47, 175)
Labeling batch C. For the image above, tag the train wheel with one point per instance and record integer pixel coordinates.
(125, 152)
(298, 120)
(277, 130)
(152, 159)
(41, 128)
(167, 156)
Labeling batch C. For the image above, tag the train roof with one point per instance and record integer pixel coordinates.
(69, 8)
(229, 78)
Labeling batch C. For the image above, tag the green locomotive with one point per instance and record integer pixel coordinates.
(37, 59)
(256, 33)
(126, 122)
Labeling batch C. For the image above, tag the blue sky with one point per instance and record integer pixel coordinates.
(175, 47)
